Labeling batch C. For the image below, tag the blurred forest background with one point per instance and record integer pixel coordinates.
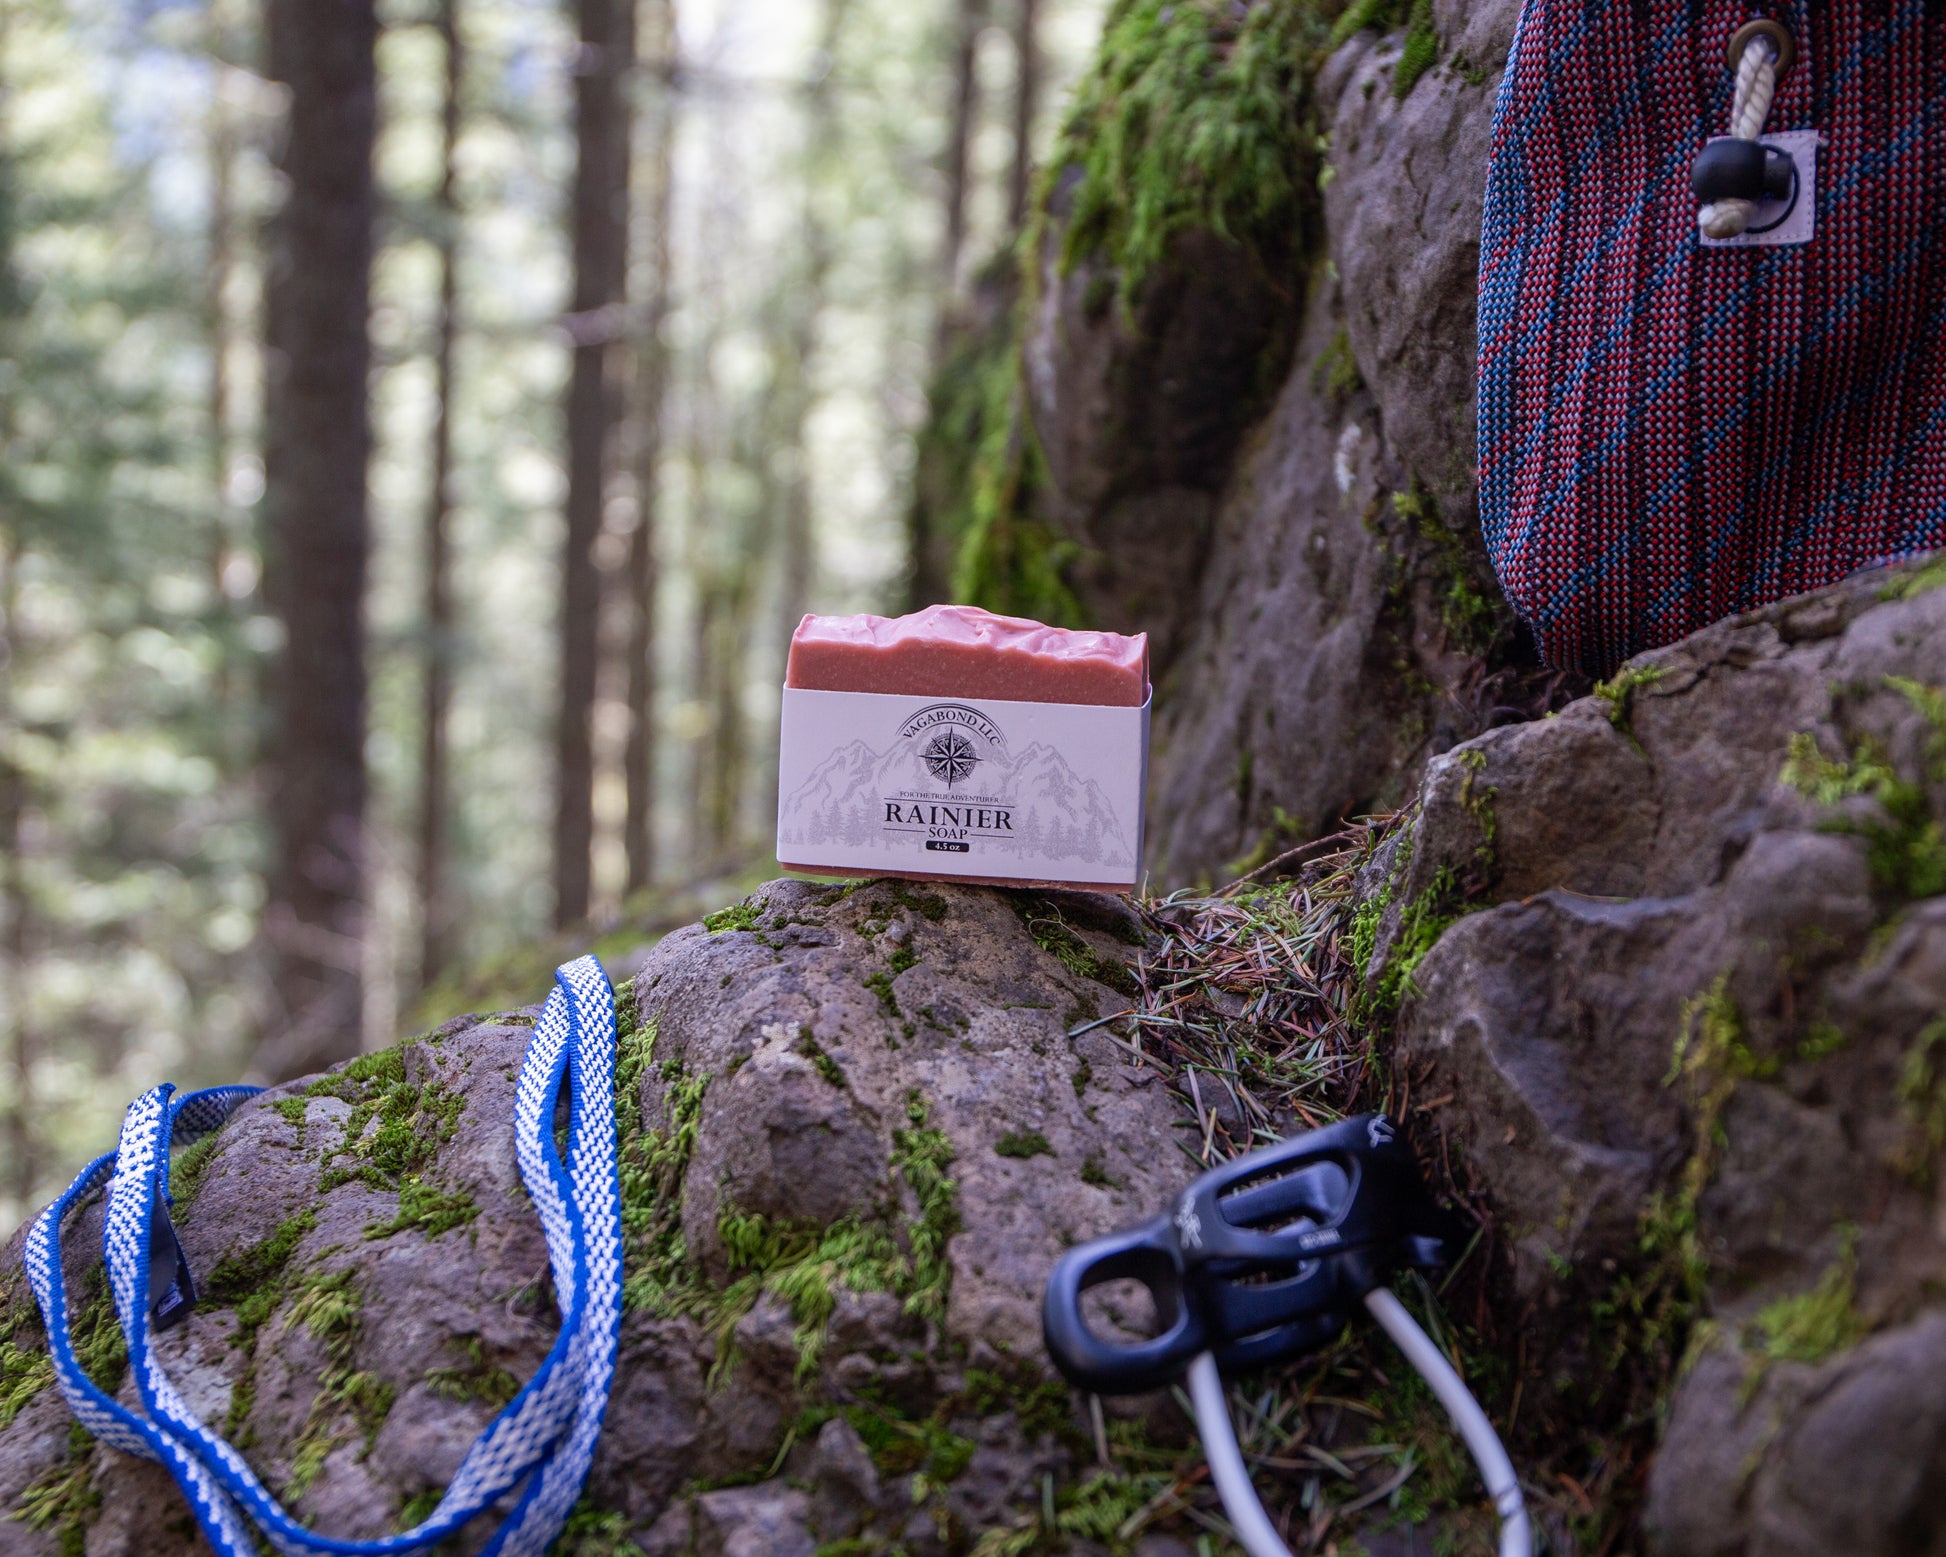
(421, 423)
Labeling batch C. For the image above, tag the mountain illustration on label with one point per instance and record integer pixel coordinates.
(948, 780)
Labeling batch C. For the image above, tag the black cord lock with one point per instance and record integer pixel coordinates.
(1733, 169)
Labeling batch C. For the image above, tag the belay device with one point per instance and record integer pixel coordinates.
(1264, 1259)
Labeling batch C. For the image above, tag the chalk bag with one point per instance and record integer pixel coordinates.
(1711, 366)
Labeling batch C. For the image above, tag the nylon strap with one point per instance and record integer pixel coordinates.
(542, 1443)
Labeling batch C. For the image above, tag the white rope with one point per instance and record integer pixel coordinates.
(1749, 107)
(1503, 1486)
(1259, 1537)
(1255, 1532)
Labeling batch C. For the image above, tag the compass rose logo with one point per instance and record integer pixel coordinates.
(950, 757)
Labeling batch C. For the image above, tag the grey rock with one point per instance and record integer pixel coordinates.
(845, 1485)
(802, 1130)
(767, 1520)
(1675, 979)
(1139, 412)
(1324, 661)
(1791, 1460)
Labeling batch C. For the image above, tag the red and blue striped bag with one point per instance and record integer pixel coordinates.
(1673, 431)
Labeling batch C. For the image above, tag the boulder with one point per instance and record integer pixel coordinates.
(857, 1134)
(1346, 624)
(1672, 968)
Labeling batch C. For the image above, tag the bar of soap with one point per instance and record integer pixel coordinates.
(962, 651)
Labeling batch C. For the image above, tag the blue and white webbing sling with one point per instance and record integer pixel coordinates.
(543, 1442)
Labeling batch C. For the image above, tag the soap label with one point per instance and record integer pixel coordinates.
(933, 786)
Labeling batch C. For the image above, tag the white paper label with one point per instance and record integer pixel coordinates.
(1010, 791)
(1793, 220)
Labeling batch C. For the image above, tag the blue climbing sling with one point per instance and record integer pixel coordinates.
(542, 1443)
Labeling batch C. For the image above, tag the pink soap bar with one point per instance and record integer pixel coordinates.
(962, 651)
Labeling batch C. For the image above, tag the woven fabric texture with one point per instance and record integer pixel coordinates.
(1669, 433)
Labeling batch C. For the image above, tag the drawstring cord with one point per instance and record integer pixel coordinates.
(1761, 52)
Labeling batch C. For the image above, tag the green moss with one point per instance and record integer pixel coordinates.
(1094, 1173)
(1334, 375)
(1365, 921)
(1023, 1143)
(738, 916)
(1103, 1509)
(928, 905)
(394, 1129)
(1421, 923)
(424, 1209)
(23, 1375)
(1648, 1314)
(1009, 560)
(822, 1063)
(1363, 15)
(417, 1509)
(330, 1306)
(1619, 691)
(1423, 547)
(880, 984)
(1811, 1326)
(1051, 933)
(1808, 771)
(383, 1067)
(921, 1156)
(1904, 845)
(903, 957)
(1822, 1040)
(1192, 116)
(1478, 801)
(1918, 581)
(188, 1167)
(653, 1165)
(591, 1531)
(292, 1110)
(1421, 51)
(63, 1501)
(474, 1378)
(252, 1283)
(808, 1265)
(239, 1277)
(1922, 1097)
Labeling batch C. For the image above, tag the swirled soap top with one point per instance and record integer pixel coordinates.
(962, 651)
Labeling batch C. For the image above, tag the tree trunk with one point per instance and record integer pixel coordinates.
(928, 574)
(651, 380)
(969, 18)
(795, 391)
(13, 897)
(434, 907)
(228, 530)
(1027, 102)
(797, 551)
(600, 242)
(222, 219)
(700, 544)
(319, 440)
